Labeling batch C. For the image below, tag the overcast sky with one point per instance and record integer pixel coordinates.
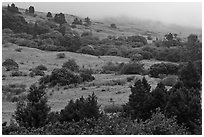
(187, 14)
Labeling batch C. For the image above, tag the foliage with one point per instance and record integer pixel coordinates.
(12, 8)
(17, 73)
(138, 101)
(60, 76)
(88, 21)
(136, 57)
(113, 26)
(170, 80)
(80, 109)
(77, 21)
(86, 76)
(33, 112)
(60, 18)
(60, 55)
(137, 39)
(16, 23)
(185, 104)
(31, 9)
(10, 64)
(189, 76)
(49, 14)
(41, 67)
(71, 65)
(132, 68)
(37, 72)
(110, 67)
(163, 68)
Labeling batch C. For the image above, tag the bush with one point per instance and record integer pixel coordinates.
(41, 67)
(61, 77)
(17, 73)
(113, 108)
(136, 57)
(170, 80)
(71, 65)
(36, 72)
(60, 55)
(111, 67)
(10, 64)
(80, 109)
(163, 68)
(132, 68)
(86, 76)
(18, 49)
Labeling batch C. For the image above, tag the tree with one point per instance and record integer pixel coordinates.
(60, 18)
(88, 21)
(192, 38)
(169, 36)
(49, 14)
(80, 109)
(12, 8)
(71, 65)
(34, 111)
(77, 21)
(185, 104)
(190, 77)
(113, 26)
(138, 101)
(31, 9)
(159, 97)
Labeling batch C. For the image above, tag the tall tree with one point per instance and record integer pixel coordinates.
(34, 111)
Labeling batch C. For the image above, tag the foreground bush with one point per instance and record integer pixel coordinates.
(107, 125)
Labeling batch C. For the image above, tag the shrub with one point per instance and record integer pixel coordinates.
(132, 68)
(163, 68)
(129, 79)
(60, 55)
(80, 109)
(113, 108)
(36, 72)
(18, 49)
(136, 57)
(71, 65)
(146, 55)
(86, 76)
(170, 80)
(61, 77)
(41, 67)
(10, 64)
(16, 73)
(110, 67)
(113, 26)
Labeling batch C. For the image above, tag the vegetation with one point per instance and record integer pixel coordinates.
(10, 64)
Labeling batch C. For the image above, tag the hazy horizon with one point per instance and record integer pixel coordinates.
(179, 13)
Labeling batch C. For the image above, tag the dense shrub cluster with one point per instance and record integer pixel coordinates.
(183, 101)
(110, 67)
(62, 77)
(163, 68)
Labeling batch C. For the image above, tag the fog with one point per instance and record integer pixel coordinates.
(184, 14)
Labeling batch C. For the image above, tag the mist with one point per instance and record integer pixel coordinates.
(179, 13)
